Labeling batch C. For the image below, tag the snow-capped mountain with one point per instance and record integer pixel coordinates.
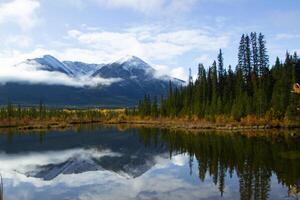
(80, 68)
(119, 83)
(132, 67)
(126, 68)
(132, 62)
(49, 63)
(121, 153)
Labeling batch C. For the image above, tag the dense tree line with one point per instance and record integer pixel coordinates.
(12, 114)
(252, 88)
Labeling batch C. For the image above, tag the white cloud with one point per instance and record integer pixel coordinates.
(32, 75)
(180, 160)
(286, 36)
(195, 38)
(176, 72)
(204, 59)
(179, 72)
(17, 165)
(99, 184)
(159, 44)
(21, 12)
(84, 55)
(161, 70)
(139, 5)
(21, 41)
(74, 33)
(150, 6)
(154, 44)
(12, 57)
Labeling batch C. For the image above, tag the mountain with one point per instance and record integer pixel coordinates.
(130, 67)
(49, 63)
(71, 152)
(80, 68)
(68, 83)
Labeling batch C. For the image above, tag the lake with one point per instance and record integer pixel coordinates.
(147, 163)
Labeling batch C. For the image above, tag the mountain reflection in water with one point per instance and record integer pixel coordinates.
(144, 163)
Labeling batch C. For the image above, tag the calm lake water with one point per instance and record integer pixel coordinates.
(108, 163)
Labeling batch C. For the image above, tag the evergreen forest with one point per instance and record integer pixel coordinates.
(251, 88)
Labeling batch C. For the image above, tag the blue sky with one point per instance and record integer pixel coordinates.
(171, 35)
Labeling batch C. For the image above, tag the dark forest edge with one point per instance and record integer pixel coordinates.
(253, 96)
(253, 93)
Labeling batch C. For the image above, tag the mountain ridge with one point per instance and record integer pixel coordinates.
(78, 68)
(120, 83)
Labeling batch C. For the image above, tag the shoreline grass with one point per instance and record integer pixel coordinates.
(172, 123)
(43, 118)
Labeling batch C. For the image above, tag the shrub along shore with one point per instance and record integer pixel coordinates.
(41, 117)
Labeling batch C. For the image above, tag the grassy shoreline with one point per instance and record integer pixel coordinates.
(170, 123)
(43, 118)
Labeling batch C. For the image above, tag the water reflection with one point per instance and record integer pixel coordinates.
(254, 159)
(105, 163)
(1, 188)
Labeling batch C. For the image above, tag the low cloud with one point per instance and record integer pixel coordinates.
(32, 75)
(176, 72)
(179, 72)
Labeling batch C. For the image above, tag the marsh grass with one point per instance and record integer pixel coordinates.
(42, 119)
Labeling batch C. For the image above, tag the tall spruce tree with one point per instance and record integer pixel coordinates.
(247, 65)
(220, 74)
(251, 89)
(255, 57)
(263, 57)
(214, 89)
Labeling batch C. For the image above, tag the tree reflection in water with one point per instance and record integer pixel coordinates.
(1, 187)
(253, 158)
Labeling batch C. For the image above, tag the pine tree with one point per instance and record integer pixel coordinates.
(263, 57)
(255, 57)
(265, 82)
(214, 88)
(238, 107)
(251, 89)
(220, 74)
(201, 84)
(247, 66)
(188, 97)
(241, 53)
(277, 94)
(154, 107)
